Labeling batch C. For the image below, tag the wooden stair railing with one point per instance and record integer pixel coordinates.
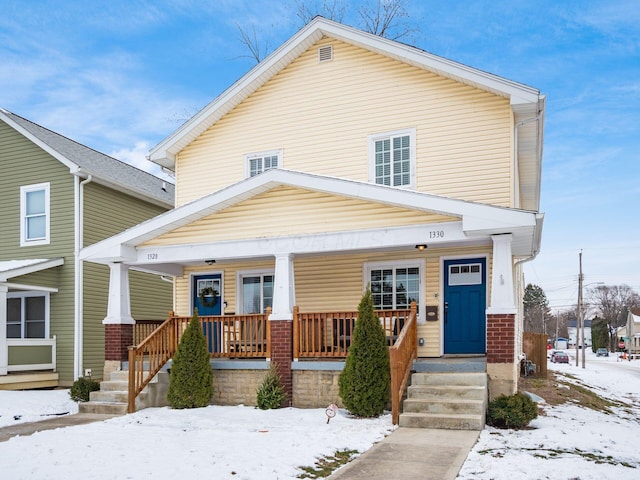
(155, 350)
(401, 356)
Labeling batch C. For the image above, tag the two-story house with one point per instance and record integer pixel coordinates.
(58, 196)
(344, 160)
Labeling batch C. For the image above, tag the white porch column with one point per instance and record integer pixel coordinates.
(502, 295)
(119, 307)
(4, 350)
(284, 288)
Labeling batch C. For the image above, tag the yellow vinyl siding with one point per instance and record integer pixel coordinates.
(321, 115)
(336, 283)
(291, 211)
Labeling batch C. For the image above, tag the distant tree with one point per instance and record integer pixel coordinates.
(365, 381)
(536, 310)
(611, 303)
(191, 378)
(599, 334)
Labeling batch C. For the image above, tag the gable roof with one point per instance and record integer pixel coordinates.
(84, 161)
(527, 102)
(477, 219)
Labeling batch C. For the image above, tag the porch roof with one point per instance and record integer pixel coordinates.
(477, 221)
(15, 268)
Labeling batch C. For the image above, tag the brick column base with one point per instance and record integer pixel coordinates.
(502, 365)
(117, 339)
(282, 353)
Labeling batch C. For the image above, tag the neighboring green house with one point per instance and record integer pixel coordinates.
(58, 196)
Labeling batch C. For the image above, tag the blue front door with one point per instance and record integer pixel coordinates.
(465, 300)
(207, 298)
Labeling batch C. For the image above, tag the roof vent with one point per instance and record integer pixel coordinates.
(325, 53)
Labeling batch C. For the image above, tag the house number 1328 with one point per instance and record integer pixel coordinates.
(436, 234)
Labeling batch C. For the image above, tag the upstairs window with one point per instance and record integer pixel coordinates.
(392, 158)
(257, 163)
(34, 214)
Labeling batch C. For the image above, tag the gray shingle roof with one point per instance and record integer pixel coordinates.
(103, 167)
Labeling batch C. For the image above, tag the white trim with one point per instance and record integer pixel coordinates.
(371, 141)
(421, 263)
(267, 153)
(441, 303)
(24, 190)
(202, 274)
(240, 274)
(34, 288)
(34, 342)
(29, 266)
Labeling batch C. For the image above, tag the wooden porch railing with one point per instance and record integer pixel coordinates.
(143, 328)
(401, 357)
(328, 334)
(233, 336)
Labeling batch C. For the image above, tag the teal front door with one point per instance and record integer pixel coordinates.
(207, 298)
(465, 301)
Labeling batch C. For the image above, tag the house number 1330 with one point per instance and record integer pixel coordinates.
(436, 234)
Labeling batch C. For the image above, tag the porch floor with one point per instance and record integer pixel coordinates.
(28, 380)
(453, 364)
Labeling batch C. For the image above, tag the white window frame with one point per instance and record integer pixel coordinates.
(251, 273)
(411, 133)
(24, 190)
(261, 155)
(420, 264)
(22, 296)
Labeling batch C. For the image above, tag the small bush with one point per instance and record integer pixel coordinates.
(191, 378)
(511, 411)
(365, 381)
(271, 393)
(81, 389)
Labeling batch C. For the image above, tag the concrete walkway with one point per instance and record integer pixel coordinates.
(413, 454)
(24, 429)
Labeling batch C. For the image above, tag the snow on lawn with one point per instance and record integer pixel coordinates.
(213, 442)
(34, 405)
(570, 441)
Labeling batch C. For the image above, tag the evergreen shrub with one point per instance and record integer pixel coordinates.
(81, 389)
(511, 411)
(191, 378)
(271, 393)
(365, 382)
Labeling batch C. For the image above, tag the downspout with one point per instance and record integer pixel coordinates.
(78, 329)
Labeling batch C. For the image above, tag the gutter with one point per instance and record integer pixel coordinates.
(78, 330)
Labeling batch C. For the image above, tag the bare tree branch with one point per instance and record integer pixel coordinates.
(250, 40)
(331, 9)
(388, 19)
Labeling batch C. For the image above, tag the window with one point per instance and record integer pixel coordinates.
(256, 292)
(34, 214)
(465, 274)
(395, 285)
(27, 315)
(257, 163)
(392, 158)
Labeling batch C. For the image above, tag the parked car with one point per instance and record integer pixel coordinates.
(560, 357)
(602, 352)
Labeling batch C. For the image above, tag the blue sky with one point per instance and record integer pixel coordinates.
(119, 75)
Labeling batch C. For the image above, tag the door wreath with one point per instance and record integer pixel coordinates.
(207, 292)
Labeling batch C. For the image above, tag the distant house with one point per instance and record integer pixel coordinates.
(58, 196)
(341, 161)
(573, 335)
(631, 335)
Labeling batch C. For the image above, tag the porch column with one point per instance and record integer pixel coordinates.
(4, 350)
(502, 363)
(281, 321)
(118, 322)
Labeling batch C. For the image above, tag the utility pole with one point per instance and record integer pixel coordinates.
(580, 311)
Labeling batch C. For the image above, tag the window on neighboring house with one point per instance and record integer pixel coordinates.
(34, 214)
(392, 158)
(27, 315)
(256, 291)
(256, 163)
(394, 287)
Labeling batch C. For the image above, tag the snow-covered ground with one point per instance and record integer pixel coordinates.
(568, 442)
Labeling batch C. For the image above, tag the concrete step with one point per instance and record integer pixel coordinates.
(114, 385)
(442, 421)
(469, 379)
(111, 396)
(446, 393)
(419, 405)
(103, 408)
